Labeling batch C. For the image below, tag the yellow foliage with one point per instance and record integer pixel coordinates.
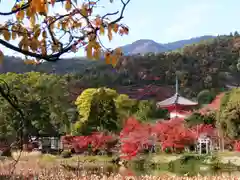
(111, 58)
(110, 32)
(43, 47)
(102, 30)
(32, 21)
(114, 59)
(6, 35)
(89, 50)
(14, 35)
(96, 54)
(20, 15)
(84, 10)
(29, 12)
(107, 58)
(68, 5)
(115, 28)
(84, 102)
(34, 34)
(118, 51)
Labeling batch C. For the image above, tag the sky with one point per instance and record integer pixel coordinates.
(166, 20)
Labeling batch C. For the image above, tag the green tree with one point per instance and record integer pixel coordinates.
(230, 120)
(148, 111)
(97, 110)
(205, 96)
(43, 101)
(197, 118)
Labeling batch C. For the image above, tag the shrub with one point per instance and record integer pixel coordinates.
(66, 154)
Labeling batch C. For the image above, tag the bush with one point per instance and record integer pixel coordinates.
(205, 97)
(66, 154)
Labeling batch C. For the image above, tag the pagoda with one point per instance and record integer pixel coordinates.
(177, 105)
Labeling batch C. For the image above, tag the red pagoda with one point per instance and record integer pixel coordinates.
(177, 105)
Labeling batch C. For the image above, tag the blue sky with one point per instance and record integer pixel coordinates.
(168, 20)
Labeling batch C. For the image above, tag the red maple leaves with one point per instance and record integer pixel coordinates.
(97, 141)
(172, 135)
(135, 137)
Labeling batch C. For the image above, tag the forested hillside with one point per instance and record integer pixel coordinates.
(210, 65)
(143, 46)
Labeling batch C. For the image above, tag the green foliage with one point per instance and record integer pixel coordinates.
(197, 118)
(205, 96)
(125, 106)
(66, 154)
(98, 111)
(148, 111)
(230, 120)
(84, 102)
(44, 100)
(229, 115)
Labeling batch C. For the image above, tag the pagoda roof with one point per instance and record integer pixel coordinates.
(176, 99)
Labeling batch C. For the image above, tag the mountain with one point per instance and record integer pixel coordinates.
(212, 64)
(149, 46)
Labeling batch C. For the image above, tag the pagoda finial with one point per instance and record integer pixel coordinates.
(176, 85)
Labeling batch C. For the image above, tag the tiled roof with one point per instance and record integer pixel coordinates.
(176, 99)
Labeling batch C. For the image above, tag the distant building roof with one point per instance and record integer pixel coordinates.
(176, 99)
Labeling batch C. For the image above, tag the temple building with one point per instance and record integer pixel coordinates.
(177, 105)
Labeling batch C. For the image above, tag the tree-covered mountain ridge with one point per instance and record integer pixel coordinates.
(212, 64)
(143, 46)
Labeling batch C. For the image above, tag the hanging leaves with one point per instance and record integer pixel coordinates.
(1, 57)
(110, 32)
(43, 33)
(68, 5)
(115, 28)
(102, 30)
(89, 49)
(6, 35)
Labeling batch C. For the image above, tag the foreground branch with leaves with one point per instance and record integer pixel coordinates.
(44, 32)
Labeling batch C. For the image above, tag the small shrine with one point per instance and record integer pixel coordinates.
(204, 145)
(177, 105)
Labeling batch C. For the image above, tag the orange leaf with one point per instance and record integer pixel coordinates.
(96, 54)
(108, 58)
(89, 51)
(92, 3)
(114, 60)
(115, 28)
(118, 51)
(102, 30)
(98, 21)
(110, 32)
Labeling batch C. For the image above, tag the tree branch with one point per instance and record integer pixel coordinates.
(56, 55)
(23, 7)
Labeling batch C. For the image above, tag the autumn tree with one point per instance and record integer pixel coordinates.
(97, 111)
(229, 115)
(230, 120)
(45, 32)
